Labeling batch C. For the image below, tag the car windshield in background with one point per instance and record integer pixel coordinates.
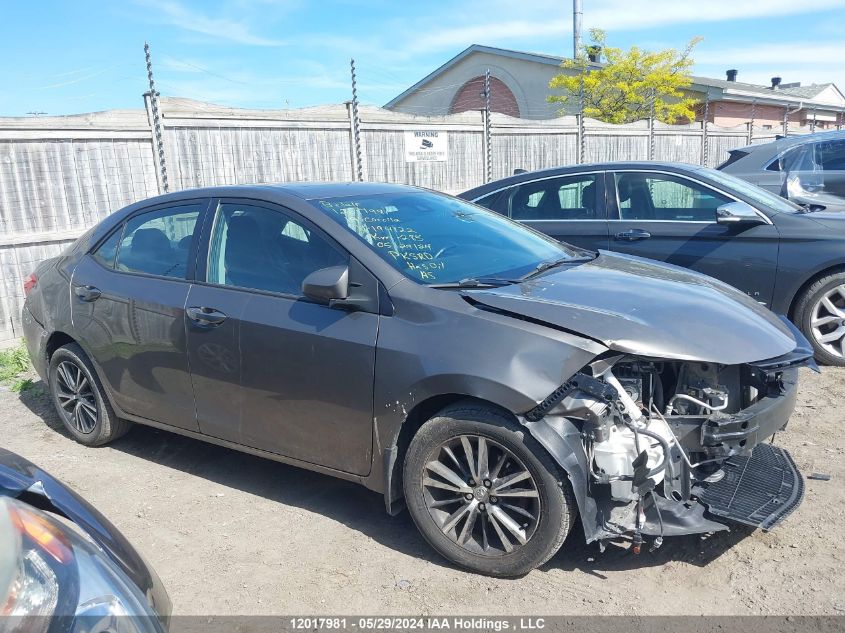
(758, 195)
(435, 239)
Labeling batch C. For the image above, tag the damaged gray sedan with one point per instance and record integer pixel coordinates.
(496, 382)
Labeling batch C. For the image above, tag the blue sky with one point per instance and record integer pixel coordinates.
(62, 56)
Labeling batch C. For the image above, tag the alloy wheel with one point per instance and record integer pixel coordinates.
(481, 495)
(827, 321)
(76, 397)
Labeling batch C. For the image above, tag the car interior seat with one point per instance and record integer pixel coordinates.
(633, 188)
(150, 252)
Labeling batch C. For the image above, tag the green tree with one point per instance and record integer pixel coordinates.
(629, 83)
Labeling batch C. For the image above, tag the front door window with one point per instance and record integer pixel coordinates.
(265, 249)
(648, 196)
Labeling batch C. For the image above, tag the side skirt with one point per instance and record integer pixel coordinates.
(247, 449)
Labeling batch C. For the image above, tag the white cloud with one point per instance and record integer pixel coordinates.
(548, 18)
(176, 14)
(485, 33)
(816, 53)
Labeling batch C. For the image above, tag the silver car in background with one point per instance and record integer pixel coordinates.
(808, 169)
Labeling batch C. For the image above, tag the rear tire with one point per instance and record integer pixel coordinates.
(820, 314)
(519, 492)
(80, 400)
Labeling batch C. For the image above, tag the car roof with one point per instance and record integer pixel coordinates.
(302, 190)
(781, 144)
(649, 165)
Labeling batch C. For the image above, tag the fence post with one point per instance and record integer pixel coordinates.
(786, 120)
(651, 128)
(355, 123)
(751, 122)
(581, 141)
(154, 115)
(704, 143)
(813, 124)
(352, 159)
(488, 140)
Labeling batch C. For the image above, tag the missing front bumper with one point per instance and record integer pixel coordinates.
(760, 490)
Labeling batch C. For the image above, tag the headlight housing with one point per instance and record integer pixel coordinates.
(53, 578)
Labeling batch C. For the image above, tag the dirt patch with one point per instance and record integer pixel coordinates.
(234, 534)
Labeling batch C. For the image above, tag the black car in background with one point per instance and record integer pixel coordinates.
(60, 579)
(808, 169)
(498, 381)
(785, 256)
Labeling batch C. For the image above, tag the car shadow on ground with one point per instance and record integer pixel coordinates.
(361, 509)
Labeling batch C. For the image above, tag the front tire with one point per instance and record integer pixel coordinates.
(820, 313)
(80, 399)
(484, 493)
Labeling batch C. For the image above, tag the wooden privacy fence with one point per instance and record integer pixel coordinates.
(61, 175)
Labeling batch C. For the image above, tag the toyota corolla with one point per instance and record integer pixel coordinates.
(498, 383)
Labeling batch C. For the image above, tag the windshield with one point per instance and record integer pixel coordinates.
(758, 195)
(435, 239)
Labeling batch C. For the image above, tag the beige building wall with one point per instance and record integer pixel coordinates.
(529, 90)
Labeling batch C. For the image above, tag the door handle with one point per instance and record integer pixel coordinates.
(87, 293)
(205, 316)
(633, 235)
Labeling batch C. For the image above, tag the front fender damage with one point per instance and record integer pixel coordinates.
(660, 448)
(562, 439)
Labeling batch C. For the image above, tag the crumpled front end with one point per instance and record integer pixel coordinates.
(657, 447)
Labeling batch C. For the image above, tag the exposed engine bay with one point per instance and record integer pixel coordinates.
(677, 447)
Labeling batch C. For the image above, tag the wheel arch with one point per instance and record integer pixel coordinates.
(56, 340)
(60, 338)
(796, 297)
(422, 412)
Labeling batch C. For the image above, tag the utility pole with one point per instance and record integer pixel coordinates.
(577, 14)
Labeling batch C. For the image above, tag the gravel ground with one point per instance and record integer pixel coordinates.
(234, 534)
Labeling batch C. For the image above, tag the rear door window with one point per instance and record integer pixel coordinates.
(159, 242)
(107, 250)
(497, 201)
(571, 197)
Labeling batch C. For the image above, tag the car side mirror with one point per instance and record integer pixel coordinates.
(738, 213)
(327, 284)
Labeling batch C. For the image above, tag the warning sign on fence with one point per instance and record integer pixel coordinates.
(426, 146)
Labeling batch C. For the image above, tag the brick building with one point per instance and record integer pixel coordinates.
(520, 85)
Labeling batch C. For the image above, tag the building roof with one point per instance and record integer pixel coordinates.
(809, 92)
(717, 89)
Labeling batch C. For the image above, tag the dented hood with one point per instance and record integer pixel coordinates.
(643, 307)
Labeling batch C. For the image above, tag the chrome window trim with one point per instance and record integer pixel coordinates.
(547, 221)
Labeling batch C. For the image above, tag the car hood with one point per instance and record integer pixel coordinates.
(830, 217)
(638, 306)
